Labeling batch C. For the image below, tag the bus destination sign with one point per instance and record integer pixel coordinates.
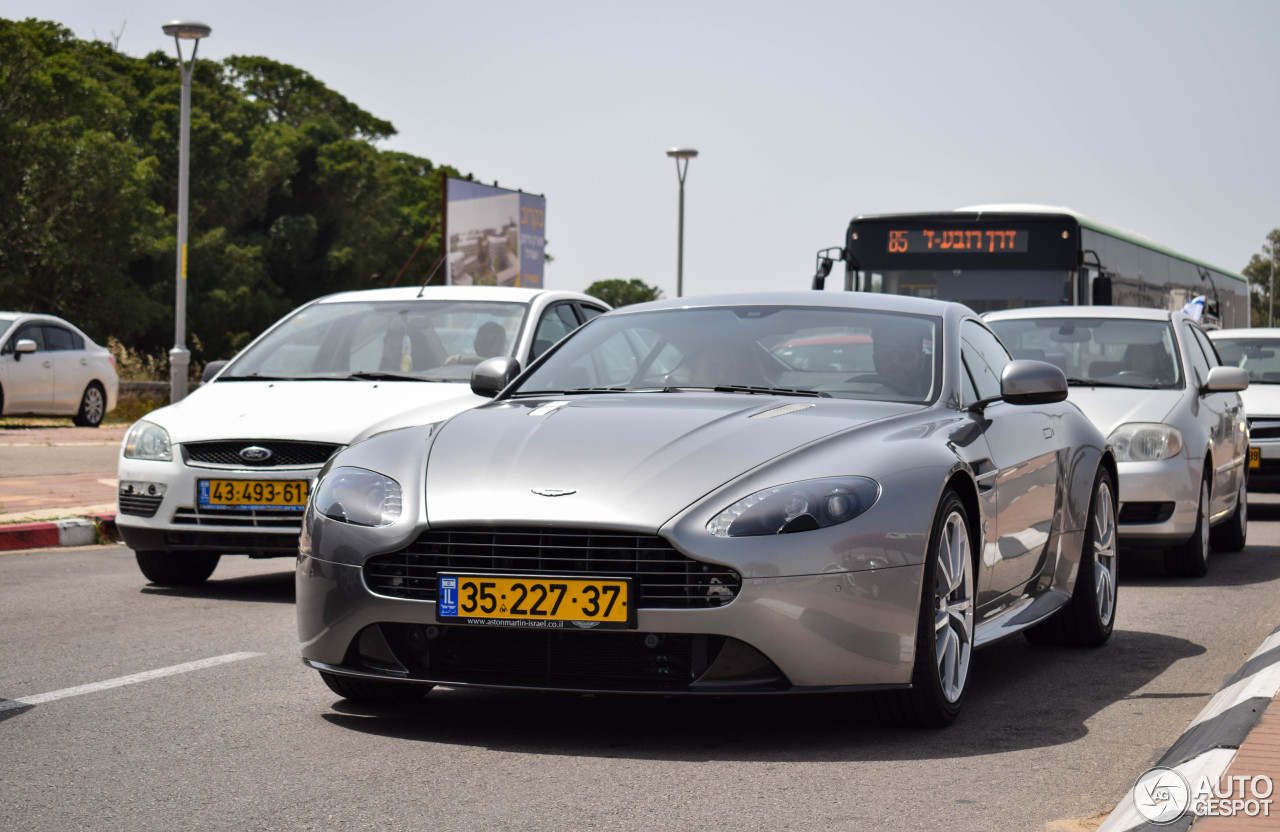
(986, 240)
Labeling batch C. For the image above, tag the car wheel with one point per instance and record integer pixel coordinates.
(1191, 559)
(93, 406)
(1089, 617)
(944, 633)
(372, 690)
(177, 568)
(1230, 535)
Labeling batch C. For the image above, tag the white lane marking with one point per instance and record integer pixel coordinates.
(145, 676)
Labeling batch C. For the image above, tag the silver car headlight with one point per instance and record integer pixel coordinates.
(1145, 442)
(147, 440)
(797, 507)
(358, 496)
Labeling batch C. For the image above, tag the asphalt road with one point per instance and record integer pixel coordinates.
(250, 739)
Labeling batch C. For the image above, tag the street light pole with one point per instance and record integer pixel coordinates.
(180, 356)
(681, 154)
(1271, 295)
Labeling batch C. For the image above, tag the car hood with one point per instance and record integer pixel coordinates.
(617, 461)
(1110, 407)
(318, 411)
(1261, 400)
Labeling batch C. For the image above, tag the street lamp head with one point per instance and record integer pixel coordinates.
(187, 29)
(682, 153)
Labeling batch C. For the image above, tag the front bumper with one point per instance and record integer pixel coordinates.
(174, 521)
(1265, 477)
(1159, 500)
(843, 630)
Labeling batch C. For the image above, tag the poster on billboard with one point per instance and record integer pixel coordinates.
(496, 237)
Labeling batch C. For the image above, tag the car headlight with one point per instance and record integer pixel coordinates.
(1139, 442)
(147, 440)
(797, 507)
(358, 496)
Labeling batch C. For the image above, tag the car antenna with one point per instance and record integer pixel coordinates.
(431, 274)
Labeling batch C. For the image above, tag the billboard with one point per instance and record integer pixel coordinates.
(495, 236)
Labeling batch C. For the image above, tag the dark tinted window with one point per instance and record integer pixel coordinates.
(985, 357)
(57, 338)
(33, 332)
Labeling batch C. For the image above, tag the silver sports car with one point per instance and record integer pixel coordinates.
(662, 503)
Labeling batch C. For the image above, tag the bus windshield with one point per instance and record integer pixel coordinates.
(982, 289)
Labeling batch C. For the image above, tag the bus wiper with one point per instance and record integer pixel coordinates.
(380, 376)
(771, 391)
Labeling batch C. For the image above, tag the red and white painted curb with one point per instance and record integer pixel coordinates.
(77, 531)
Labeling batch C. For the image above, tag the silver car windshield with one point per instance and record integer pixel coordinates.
(416, 340)
(780, 350)
(1259, 356)
(1113, 352)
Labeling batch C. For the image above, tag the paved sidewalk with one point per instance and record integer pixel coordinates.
(39, 511)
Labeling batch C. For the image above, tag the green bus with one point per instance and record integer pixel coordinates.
(1007, 256)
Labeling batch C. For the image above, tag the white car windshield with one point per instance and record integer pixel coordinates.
(803, 351)
(416, 340)
(1111, 352)
(1259, 356)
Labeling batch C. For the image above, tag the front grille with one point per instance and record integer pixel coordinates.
(283, 454)
(662, 578)
(274, 519)
(554, 658)
(138, 505)
(235, 542)
(1264, 428)
(1145, 512)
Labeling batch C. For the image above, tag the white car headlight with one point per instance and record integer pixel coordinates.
(358, 496)
(797, 507)
(1145, 442)
(147, 440)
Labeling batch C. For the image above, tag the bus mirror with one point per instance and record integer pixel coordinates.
(1102, 291)
(826, 258)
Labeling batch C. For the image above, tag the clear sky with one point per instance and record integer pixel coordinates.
(1160, 117)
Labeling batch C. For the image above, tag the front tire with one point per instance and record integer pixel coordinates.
(1231, 535)
(1191, 559)
(93, 407)
(177, 568)
(944, 633)
(372, 690)
(1089, 617)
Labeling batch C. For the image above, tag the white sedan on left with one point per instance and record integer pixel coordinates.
(50, 368)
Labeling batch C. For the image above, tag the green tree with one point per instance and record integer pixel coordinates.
(618, 292)
(1260, 271)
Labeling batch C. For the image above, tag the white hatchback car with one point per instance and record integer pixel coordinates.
(1257, 351)
(1153, 383)
(50, 368)
(227, 470)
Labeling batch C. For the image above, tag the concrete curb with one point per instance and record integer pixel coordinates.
(1212, 739)
(88, 530)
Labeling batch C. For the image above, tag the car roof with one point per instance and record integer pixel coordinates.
(1133, 313)
(843, 300)
(1263, 332)
(509, 294)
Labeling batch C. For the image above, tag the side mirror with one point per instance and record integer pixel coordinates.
(1226, 380)
(493, 374)
(212, 369)
(1032, 382)
(23, 345)
(1102, 291)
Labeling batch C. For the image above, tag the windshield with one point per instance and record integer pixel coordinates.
(980, 289)
(1259, 356)
(1112, 351)
(780, 350)
(424, 340)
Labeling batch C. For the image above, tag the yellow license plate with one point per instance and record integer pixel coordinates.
(535, 601)
(1255, 457)
(289, 495)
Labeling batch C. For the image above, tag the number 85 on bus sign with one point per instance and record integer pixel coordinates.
(534, 601)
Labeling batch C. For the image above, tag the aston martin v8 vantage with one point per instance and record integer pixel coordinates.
(662, 503)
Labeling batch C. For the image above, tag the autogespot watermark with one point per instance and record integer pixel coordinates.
(1162, 795)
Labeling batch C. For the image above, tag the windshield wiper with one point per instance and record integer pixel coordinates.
(577, 391)
(1093, 382)
(380, 376)
(771, 391)
(260, 377)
